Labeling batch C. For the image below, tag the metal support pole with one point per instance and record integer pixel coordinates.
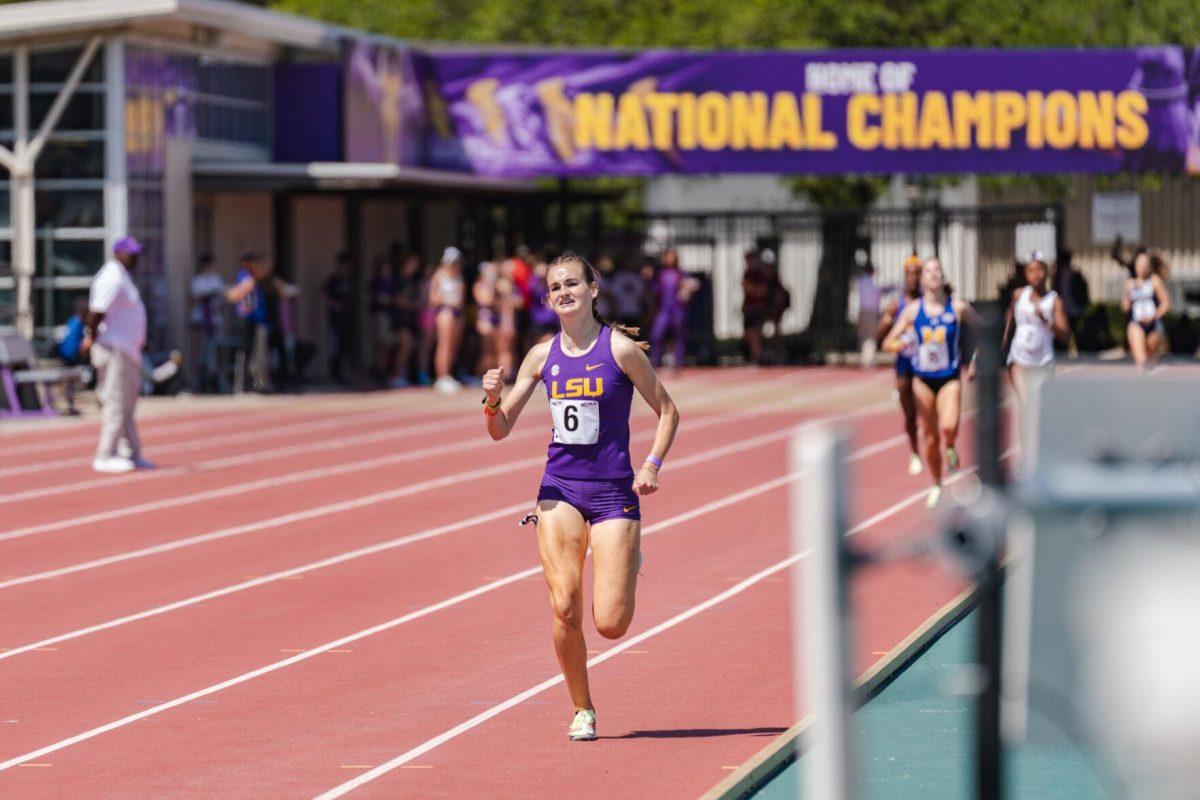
(21, 201)
(821, 604)
(48, 276)
(116, 168)
(64, 96)
(989, 632)
(24, 222)
(23, 253)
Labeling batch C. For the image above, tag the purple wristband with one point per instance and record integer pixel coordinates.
(655, 460)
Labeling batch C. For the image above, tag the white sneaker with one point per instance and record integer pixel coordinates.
(447, 385)
(166, 370)
(915, 467)
(144, 463)
(935, 497)
(113, 465)
(583, 727)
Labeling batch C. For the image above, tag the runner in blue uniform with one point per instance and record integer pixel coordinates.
(937, 319)
(589, 493)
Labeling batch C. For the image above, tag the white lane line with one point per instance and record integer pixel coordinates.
(210, 424)
(431, 422)
(149, 427)
(222, 437)
(273, 577)
(385, 626)
(341, 558)
(516, 700)
(316, 406)
(474, 442)
(348, 505)
(238, 460)
(250, 486)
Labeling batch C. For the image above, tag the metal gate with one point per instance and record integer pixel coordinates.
(817, 254)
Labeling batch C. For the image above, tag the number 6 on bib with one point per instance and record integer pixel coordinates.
(576, 421)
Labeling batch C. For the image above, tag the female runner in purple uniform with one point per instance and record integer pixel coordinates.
(674, 290)
(589, 494)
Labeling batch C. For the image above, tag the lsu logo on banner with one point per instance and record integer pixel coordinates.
(577, 387)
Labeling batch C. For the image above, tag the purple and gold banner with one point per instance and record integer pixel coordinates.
(382, 104)
(530, 114)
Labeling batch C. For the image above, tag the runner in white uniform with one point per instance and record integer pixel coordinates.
(1145, 302)
(1035, 319)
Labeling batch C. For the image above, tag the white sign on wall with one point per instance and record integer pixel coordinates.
(1116, 214)
(1039, 236)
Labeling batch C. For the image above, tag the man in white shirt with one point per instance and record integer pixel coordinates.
(115, 334)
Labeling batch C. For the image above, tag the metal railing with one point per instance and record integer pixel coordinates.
(815, 253)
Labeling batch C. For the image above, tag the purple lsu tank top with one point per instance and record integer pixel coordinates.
(668, 288)
(589, 399)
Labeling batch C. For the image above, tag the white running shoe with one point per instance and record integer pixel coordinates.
(583, 727)
(951, 459)
(447, 385)
(168, 369)
(915, 467)
(935, 497)
(113, 465)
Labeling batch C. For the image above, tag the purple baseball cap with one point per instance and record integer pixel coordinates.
(127, 244)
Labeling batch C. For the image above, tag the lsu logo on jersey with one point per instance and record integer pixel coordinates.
(577, 387)
(933, 335)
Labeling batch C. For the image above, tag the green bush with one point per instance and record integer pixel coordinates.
(1102, 327)
(1183, 334)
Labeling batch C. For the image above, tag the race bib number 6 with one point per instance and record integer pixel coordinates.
(576, 421)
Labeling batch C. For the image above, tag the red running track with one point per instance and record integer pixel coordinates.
(382, 619)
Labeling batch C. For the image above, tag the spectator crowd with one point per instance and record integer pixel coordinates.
(431, 324)
(406, 321)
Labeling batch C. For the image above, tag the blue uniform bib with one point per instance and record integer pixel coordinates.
(937, 343)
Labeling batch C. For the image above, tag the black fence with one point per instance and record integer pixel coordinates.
(817, 254)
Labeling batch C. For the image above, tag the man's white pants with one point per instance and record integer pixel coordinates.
(118, 383)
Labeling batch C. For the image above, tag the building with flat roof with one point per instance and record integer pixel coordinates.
(208, 126)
